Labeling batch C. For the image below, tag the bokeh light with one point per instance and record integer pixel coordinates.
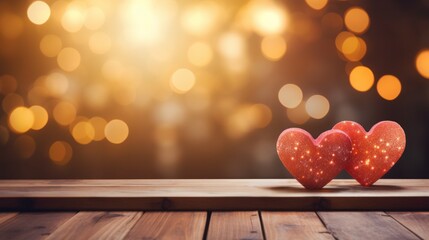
(99, 124)
(40, 117)
(68, 59)
(64, 113)
(317, 4)
(182, 80)
(83, 132)
(60, 152)
(200, 54)
(273, 47)
(74, 16)
(422, 63)
(116, 131)
(21, 119)
(99, 43)
(356, 20)
(317, 106)
(361, 78)
(268, 18)
(298, 115)
(290, 95)
(51, 45)
(38, 12)
(389, 87)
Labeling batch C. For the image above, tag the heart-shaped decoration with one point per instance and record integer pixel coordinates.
(373, 152)
(314, 163)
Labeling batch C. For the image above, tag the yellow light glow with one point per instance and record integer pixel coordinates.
(60, 152)
(354, 52)
(356, 20)
(273, 47)
(290, 95)
(232, 45)
(38, 12)
(202, 18)
(268, 18)
(95, 18)
(83, 132)
(361, 78)
(73, 17)
(200, 54)
(422, 63)
(8, 84)
(341, 37)
(50, 45)
(99, 125)
(12, 101)
(263, 113)
(24, 146)
(68, 59)
(350, 45)
(116, 131)
(317, 106)
(298, 115)
(56, 84)
(182, 80)
(64, 113)
(317, 4)
(40, 117)
(99, 43)
(21, 119)
(389, 87)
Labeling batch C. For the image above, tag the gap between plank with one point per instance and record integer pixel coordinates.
(206, 227)
(262, 225)
(326, 227)
(415, 234)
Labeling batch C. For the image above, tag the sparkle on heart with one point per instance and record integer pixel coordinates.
(314, 163)
(375, 152)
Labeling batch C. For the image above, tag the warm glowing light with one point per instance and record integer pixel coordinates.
(73, 17)
(273, 47)
(83, 132)
(38, 12)
(21, 119)
(354, 48)
(290, 95)
(268, 18)
(361, 78)
(247, 118)
(116, 131)
(56, 84)
(60, 152)
(298, 115)
(99, 43)
(68, 59)
(64, 113)
(8, 84)
(317, 106)
(422, 63)
(317, 4)
(232, 45)
(99, 125)
(12, 101)
(95, 18)
(202, 18)
(182, 80)
(24, 146)
(350, 45)
(50, 45)
(200, 54)
(341, 37)
(389, 87)
(356, 20)
(40, 117)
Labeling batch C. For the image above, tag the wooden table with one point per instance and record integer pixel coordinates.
(212, 209)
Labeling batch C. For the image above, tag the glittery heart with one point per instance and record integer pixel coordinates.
(314, 163)
(375, 152)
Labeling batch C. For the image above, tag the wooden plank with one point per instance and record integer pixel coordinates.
(169, 225)
(235, 225)
(294, 225)
(33, 225)
(365, 225)
(97, 225)
(417, 222)
(6, 216)
(214, 194)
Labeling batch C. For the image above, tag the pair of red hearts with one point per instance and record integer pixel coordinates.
(366, 156)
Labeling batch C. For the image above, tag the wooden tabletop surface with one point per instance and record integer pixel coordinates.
(212, 209)
(214, 194)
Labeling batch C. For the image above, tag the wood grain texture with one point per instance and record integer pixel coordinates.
(417, 222)
(213, 194)
(33, 225)
(235, 225)
(6, 216)
(97, 225)
(294, 225)
(169, 225)
(364, 225)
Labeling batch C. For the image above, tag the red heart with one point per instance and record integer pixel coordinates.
(314, 163)
(375, 152)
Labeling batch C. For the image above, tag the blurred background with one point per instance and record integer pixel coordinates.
(202, 89)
